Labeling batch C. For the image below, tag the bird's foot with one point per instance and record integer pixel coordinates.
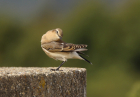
(52, 69)
(55, 70)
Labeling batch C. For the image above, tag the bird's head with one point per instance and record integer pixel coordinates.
(52, 35)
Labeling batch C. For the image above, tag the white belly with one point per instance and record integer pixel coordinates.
(63, 56)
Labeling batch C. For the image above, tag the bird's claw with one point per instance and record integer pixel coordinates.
(55, 70)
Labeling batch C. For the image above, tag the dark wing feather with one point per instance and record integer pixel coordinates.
(74, 47)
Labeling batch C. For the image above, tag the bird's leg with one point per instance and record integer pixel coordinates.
(58, 66)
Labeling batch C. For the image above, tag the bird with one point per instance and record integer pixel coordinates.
(54, 47)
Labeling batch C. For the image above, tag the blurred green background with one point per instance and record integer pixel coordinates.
(110, 28)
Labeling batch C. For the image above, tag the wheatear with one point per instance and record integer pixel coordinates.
(54, 47)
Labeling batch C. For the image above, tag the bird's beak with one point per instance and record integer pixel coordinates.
(60, 37)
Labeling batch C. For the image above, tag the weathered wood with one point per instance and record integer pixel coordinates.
(41, 82)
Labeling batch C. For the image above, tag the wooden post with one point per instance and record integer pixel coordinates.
(41, 82)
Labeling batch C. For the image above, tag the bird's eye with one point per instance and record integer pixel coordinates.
(57, 31)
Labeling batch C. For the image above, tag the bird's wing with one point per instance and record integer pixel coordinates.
(63, 47)
(53, 46)
(74, 47)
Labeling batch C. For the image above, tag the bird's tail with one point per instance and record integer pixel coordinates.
(85, 59)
